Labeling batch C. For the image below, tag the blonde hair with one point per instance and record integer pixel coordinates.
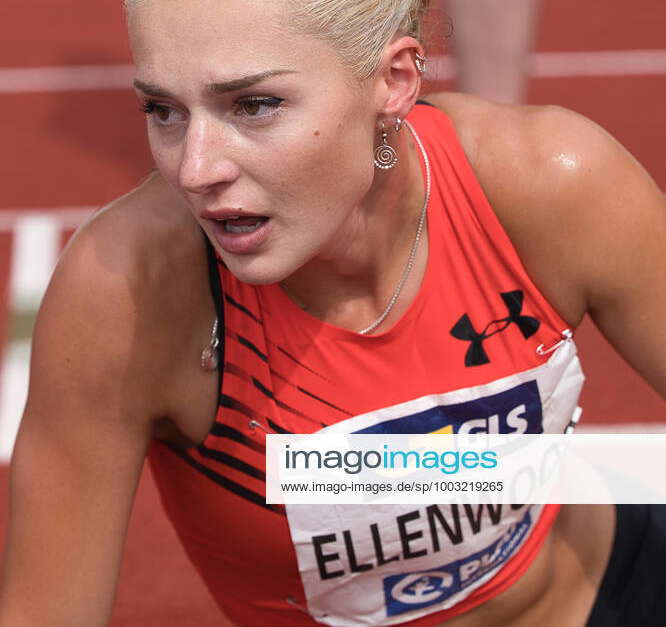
(357, 29)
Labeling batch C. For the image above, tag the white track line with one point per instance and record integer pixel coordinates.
(65, 78)
(67, 217)
(542, 65)
(13, 393)
(571, 64)
(601, 63)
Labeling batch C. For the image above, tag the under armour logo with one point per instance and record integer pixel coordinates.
(464, 330)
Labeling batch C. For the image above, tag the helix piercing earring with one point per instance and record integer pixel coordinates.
(420, 61)
(385, 155)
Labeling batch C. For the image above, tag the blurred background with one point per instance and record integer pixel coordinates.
(74, 139)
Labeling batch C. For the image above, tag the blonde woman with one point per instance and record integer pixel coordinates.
(314, 247)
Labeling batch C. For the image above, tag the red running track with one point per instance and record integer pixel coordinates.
(85, 148)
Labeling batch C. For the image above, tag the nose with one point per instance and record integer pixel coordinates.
(206, 158)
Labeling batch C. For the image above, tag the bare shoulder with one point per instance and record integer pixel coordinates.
(563, 188)
(546, 133)
(129, 288)
(142, 231)
(530, 157)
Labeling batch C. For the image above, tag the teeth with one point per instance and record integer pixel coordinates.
(235, 228)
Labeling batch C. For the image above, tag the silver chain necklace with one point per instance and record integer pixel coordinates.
(209, 356)
(415, 245)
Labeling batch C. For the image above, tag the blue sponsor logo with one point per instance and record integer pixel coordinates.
(517, 410)
(411, 591)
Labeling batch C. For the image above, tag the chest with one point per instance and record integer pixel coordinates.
(302, 375)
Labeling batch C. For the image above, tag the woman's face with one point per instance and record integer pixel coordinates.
(249, 119)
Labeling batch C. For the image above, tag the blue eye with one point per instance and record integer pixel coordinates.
(258, 107)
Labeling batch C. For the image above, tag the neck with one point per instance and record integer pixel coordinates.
(352, 282)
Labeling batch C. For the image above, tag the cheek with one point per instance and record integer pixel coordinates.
(161, 155)
(165, 156)
(332, 168)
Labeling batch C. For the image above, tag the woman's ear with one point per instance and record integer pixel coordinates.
(400, 76)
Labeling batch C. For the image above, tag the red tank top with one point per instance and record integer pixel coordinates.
(472, 331)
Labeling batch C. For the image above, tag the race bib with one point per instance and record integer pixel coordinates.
(387, 564)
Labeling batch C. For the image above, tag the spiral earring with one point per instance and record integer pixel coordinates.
(385, 155)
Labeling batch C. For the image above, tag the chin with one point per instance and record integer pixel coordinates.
(257, 270)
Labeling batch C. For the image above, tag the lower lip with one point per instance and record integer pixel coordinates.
(240, 243)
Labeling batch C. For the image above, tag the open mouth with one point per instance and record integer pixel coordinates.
(247, 224)
(241, 234)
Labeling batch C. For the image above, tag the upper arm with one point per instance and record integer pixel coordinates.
(606, 219)
(81, 444)
(618, 217)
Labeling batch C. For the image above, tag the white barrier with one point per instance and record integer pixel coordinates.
(37, 235)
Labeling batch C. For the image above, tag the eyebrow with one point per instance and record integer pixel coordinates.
(216, 88)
